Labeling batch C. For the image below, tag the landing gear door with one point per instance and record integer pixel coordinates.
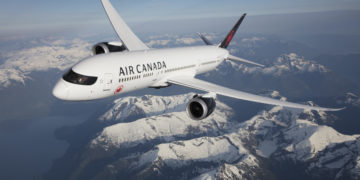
(108, 82)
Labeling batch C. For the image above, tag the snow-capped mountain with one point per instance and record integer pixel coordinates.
(165, 143)
(287, 63)
(289, 73)
(160, 123)
(51, 54)
(147, 106)
(350, 99)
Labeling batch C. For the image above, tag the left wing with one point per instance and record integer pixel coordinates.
(129, 39)
(209, 87)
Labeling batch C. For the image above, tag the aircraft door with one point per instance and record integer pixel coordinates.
(108, 82)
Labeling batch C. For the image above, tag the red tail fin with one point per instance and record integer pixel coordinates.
(225, 43)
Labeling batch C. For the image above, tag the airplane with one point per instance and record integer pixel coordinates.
(119, 67)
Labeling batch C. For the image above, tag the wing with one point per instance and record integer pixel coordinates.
(131, 41)
(234, 58)
(209, 87)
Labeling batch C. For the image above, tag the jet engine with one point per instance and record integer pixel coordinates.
(108, 47)
(201, 106)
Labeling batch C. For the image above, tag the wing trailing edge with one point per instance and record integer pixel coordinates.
(210, 87)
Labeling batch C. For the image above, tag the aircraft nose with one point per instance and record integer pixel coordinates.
(60, 90)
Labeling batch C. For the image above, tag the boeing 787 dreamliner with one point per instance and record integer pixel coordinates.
(119, 67)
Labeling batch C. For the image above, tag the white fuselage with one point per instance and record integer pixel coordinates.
(117, 73)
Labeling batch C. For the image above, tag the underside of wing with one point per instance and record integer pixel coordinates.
(209, 87)
(130, 40)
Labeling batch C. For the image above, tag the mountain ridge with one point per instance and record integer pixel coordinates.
(162, 145)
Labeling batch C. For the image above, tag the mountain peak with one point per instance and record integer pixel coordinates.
(145, 106)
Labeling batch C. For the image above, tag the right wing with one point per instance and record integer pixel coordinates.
(129, 39)
(234, 58)
(209, 87)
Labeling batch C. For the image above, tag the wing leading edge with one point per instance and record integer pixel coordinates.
(131, 41)
(209, 87)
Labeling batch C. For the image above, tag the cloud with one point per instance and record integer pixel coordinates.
(252, 39)
(187, 40)
(163, 36)
(55, 54)
(171, 40)
(158, 43)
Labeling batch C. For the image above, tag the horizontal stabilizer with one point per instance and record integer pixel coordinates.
(234, 58)
(206, 40)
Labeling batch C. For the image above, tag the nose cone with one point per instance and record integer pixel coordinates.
(60, 90)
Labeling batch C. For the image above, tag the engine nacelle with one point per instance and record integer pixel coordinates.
(108, 47)
(200, 107)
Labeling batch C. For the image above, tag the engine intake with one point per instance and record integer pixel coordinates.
(200, 107)
(108, 47)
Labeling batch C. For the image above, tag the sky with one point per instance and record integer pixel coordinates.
(41, 14)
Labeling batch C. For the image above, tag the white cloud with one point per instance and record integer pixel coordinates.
(158, 42)
(252, 39)
(56, 54)
(210, 36)
(187, 41)
(233, 50)
(163, 36)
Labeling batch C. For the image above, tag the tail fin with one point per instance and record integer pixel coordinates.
(225, 43)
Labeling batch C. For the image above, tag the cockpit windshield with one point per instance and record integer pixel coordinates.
(73, 77)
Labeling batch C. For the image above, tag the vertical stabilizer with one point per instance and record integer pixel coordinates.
(225, 43)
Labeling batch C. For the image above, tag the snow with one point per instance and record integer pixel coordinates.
(227, 145)
(230, 171)
(309, 138)
(287, 63)
(162, 123)
(142, 130)
(226, 171)
(181, 153)
(147, 106)
(54, 54)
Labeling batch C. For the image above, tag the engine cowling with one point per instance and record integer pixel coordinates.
(108, 47)
(200, 107)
